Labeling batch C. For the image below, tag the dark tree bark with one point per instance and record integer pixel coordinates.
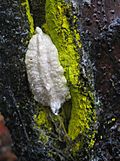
(101, 28)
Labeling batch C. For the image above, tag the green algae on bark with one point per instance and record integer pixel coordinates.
(25, 4)
(67, 40)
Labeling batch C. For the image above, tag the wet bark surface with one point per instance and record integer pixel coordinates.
(101, 37)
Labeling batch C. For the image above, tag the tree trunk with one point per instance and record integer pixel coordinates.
(86, 35)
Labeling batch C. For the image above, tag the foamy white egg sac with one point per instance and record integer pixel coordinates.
(45, 74)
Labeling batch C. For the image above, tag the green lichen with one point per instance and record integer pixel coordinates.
(25, 4)
(59, 30)
(67, 40)
(42, 120)
(48, 123)
(42, 124)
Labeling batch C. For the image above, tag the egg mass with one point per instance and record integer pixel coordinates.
(45, 74)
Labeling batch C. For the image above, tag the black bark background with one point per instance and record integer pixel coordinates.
(100, 30)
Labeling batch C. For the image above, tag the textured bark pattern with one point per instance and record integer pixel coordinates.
(101, 38)
(101, 32)
(16, 102)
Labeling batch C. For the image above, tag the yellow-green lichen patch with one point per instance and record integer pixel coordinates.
(47, 123)
(43, 125)
(67, 40)
(25, 4)
(79, 121)
(41, 119)
(61, 35)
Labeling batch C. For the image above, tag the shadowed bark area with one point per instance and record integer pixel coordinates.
(38, 8)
